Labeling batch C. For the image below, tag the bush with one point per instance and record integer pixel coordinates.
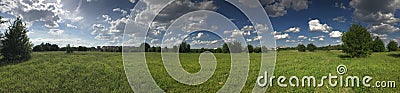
(250, 48)
(311, 47)
(392, 46)
(301, 48)
(357, 41)
(377, 45)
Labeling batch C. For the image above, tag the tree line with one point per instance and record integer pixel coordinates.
(232, 47)
(54, 47)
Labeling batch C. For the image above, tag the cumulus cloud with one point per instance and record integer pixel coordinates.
(56, 32)
(302, 37)
(340, 19)
(283, 36)
(335, 34)
(47, 11)
(293, 29)
(315, 25)
(276, 8)
(384, 28)
(380, 15)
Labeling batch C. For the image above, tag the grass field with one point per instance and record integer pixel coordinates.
(104, 72)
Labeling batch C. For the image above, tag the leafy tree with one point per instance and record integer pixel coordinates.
(250, 48)
(301, 48)
(16, 44)
(311, 47)
(218, 50)
(392, 46)
(357, 41)
(378, 45)
(225, 48)
(68, 49)
(236, 47)
(257, 50)
(184, 47)
(146, 47)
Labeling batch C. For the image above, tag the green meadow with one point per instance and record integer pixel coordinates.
(104, 72)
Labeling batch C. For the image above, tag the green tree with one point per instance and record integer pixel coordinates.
(16, 44)
(392, 46)
(311, 47)
(236, 47)
(225, 48)
(357, 41)
(301, 48)
(146, 47)
(257, 50)
(250, 48)
(378, 45)
(69, 49)
(184, 47)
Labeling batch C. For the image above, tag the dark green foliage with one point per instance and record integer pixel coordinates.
(257, 50)
(301, 48)
(16, 44)
(357, 41)
(145, 46)
(250, 48)
(311, 47)
(184, 47)
(225, 48)
(392, 46)
(235, 47)
(378, 45)
(46, 47)
(69, 49)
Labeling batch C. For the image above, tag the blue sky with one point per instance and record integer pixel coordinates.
(103, 22)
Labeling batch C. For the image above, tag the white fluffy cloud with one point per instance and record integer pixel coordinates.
(293, 29)
(315, 25)
(283, 36)
(378, 14)
(302, 37)
(340, 19)
(56, 32)
(276, 8)
(335, 34)
(384, 28)
(47, 11)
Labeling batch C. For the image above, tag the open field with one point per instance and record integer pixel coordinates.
(104, 72)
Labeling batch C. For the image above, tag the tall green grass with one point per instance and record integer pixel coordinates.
(104, 72)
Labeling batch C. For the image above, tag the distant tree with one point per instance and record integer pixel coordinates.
(175, 48)
(184, 47)
(257, 50)
(378, 45)
(301, 48)
(225, 48)
(250, 48)
(311, 47)
(357, 41)
(236, 47)
(146, 47)
(158, 49)
(392, 46)
(16, 45)
(68, 49)
(218, 50)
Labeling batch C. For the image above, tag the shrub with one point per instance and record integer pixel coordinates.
(357, 41)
